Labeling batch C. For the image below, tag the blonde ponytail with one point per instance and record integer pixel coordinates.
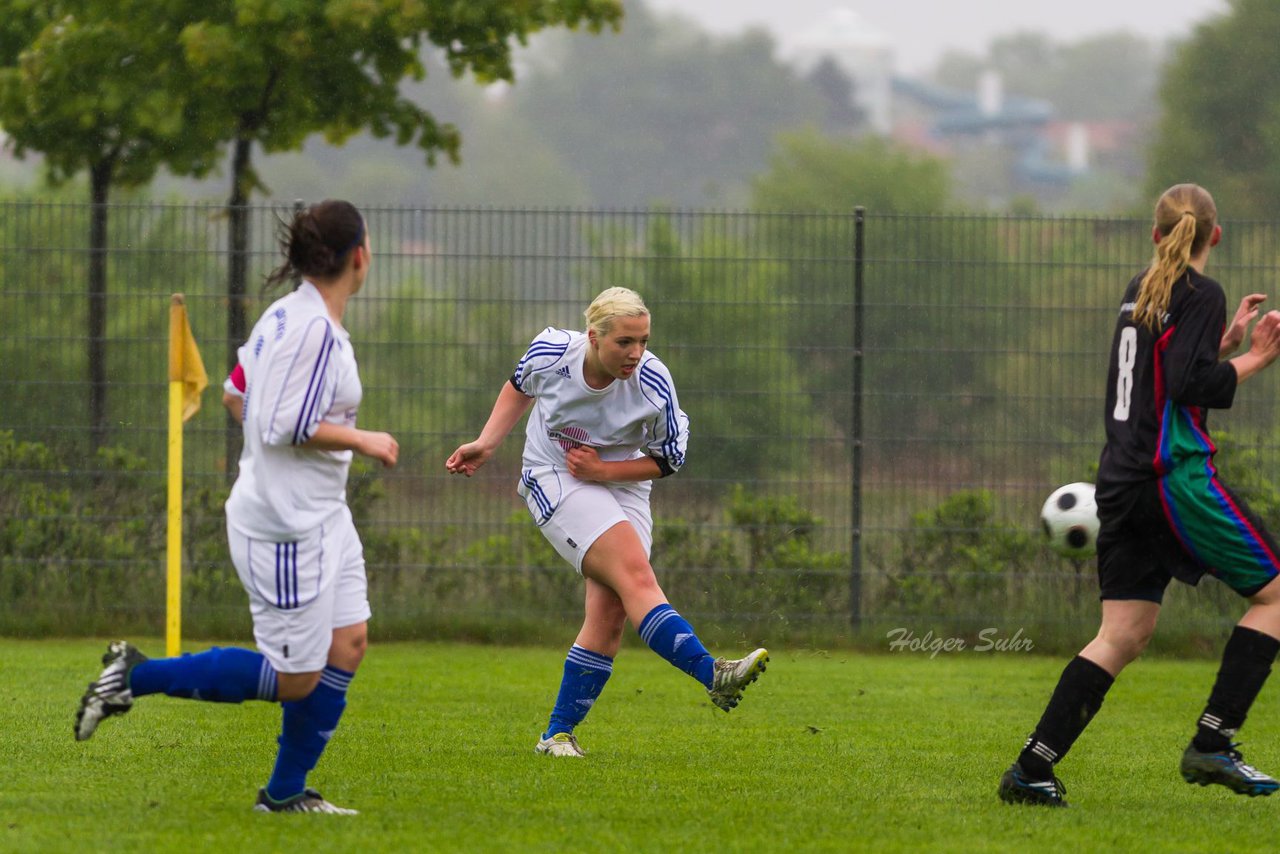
(1185, 218)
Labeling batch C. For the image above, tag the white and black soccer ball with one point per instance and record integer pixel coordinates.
(1070, 520)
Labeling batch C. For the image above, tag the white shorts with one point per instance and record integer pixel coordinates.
(301, 590)
(572, 513)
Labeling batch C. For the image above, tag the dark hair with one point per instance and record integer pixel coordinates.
(317, 242)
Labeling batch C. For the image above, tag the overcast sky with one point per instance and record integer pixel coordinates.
(922, 30)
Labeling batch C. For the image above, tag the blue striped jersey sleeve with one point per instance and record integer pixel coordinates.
(669, 433)
(545, 351)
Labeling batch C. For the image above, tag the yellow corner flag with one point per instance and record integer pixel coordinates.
(187, 379)
(185, 365)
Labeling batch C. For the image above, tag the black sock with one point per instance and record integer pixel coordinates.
(1246, 663)
(1080, 692)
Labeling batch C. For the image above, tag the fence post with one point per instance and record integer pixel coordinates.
(855, 427)
(238, 216)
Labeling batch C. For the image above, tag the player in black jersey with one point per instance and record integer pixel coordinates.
(1164, 511)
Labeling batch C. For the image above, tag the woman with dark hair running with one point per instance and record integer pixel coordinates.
(288, 525)
(605, 424)
(1165, 513)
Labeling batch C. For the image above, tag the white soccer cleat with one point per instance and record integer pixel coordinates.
(309, 801)
(732, 677)
(560, 744)
(109, 694)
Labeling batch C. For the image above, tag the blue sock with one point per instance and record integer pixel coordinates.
(585, 673)
(670, 636)
(308, 725)
(230, 675)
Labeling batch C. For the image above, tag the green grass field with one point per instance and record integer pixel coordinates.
(829, 751)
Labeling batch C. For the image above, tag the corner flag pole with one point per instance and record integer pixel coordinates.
(187, 379)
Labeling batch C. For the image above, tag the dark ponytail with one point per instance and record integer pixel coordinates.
(317, 243)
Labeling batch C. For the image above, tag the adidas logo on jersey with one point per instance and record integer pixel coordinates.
(563, 371)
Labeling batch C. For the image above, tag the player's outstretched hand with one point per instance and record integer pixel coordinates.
(1234, 336)
(467, 458)
(381, 446)
(1265, 341)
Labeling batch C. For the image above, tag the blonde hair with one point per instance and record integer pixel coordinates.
(1185, 218)
(612, 303)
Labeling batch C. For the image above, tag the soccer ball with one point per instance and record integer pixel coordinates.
(1070, 520)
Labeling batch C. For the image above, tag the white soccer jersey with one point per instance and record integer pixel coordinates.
(299, 370)
(628, 419)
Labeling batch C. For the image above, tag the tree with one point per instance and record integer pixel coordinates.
(1220, 124)
(278, 72)
(665, 112)
(837, 87)
(921, 281)
(98, 86)
(812, 172)
(1111, 76)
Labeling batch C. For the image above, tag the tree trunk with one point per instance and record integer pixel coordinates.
(237, 275)
(99, 186)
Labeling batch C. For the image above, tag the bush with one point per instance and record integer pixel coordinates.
(957, 559)
(82, 553)
(81, 550)
(756, 576)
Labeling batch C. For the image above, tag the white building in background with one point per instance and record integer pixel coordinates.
(861, 51)
(1078, 148)
(990, 93)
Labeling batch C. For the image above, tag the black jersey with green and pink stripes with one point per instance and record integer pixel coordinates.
(1162, 382)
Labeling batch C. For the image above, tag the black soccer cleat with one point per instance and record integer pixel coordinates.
(1226, 768)
(109, 694)
(1017, 788)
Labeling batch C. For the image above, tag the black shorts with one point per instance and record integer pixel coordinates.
(1138, 553)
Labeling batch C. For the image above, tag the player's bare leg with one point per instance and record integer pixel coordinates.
(618, 561)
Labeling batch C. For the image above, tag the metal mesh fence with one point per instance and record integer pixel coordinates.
(879, 405)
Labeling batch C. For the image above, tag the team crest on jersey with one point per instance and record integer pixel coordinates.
(570, 437)
(563, 371)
